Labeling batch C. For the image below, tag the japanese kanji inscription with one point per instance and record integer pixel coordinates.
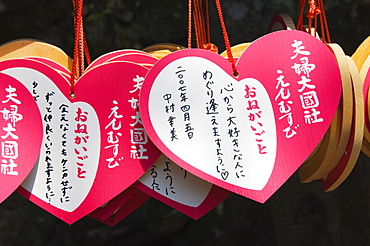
(248, 134)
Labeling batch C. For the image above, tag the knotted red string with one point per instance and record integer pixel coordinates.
(202, 29)
(315, 9)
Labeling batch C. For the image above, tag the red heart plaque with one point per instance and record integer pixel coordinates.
(94, 145)
(20, 134)
(247, 134)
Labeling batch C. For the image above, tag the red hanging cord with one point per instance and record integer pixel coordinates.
(202, 28)
(207, 31)
(313, 12)
(78, 10)
(315, 9)
(80, 50)
(300, 18)
(198, 23)
(226, 38)
(324, 22)
(87, 53)
(208, 26)
(201, 25)
(189, 22)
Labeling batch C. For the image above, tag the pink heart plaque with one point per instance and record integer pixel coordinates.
(247, 134)
(94, 145)
(20, 134)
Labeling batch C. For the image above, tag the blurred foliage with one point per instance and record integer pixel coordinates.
(298, 214)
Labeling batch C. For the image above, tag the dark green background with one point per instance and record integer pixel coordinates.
(298, 214)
